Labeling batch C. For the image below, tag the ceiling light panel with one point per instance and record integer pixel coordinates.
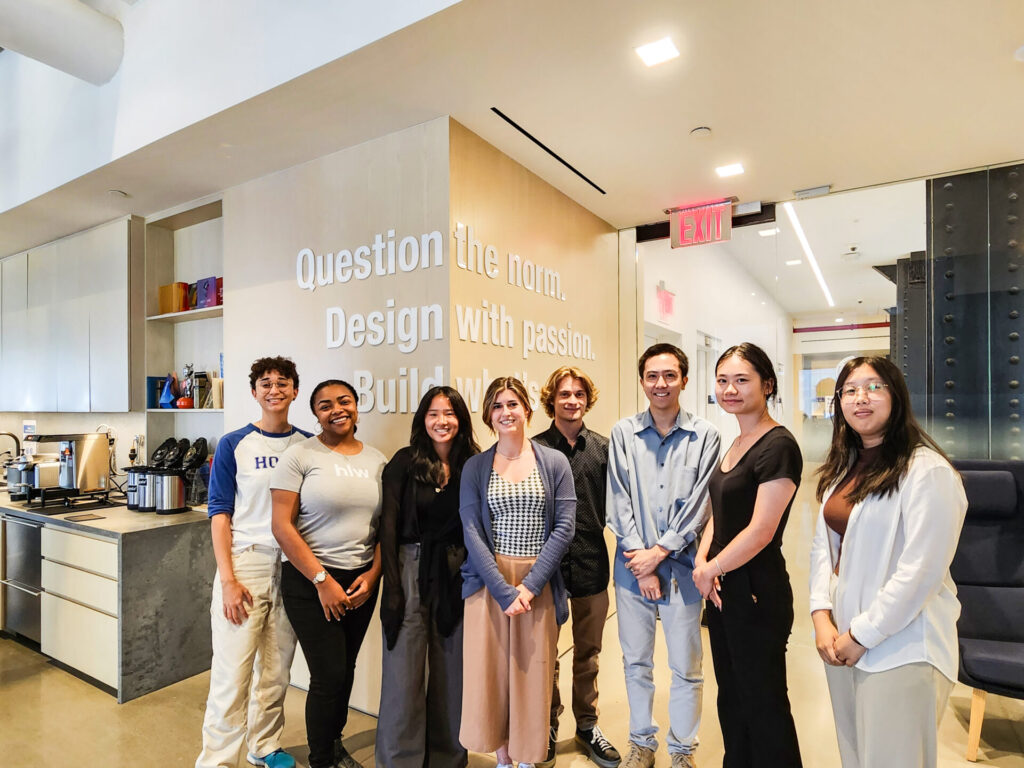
(729, 170)
(771, 232)
(791, 212)
(657, 52)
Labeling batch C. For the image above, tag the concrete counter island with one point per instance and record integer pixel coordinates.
(126, 598)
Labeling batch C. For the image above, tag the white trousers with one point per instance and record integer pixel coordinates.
(887, 719)
(250, 667)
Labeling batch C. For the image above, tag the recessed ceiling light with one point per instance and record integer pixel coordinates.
(752, 293)
(701, 132)
(1019, 54)
(729, 170)
(794, 262)
(791, 212)
(657, 52)
(770, 232)
(839, 319)
(118, 193)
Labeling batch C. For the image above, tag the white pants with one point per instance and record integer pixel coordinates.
(637, 619)
(250, 665)
(891, 718)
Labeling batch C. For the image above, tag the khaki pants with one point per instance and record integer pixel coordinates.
(250, 666)
(588, 618)
(508, 666)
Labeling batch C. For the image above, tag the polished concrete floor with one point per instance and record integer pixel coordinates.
(49, 717)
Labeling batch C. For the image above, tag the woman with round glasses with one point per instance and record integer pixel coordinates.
(882, 601)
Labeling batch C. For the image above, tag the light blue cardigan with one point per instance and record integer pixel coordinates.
(480, 568)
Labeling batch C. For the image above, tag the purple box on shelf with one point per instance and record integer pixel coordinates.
(206, 292)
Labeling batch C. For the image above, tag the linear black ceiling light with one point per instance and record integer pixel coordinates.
(544, 146)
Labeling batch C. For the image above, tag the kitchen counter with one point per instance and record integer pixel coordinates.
(125, 599)
(117, 520)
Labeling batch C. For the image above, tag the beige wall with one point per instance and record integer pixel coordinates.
(335, 203)
(513, 211)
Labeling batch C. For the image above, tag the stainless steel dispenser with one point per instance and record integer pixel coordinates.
(84, 461)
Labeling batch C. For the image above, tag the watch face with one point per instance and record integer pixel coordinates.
(320, 577)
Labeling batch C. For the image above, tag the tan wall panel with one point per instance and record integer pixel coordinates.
(338, 202)
(514, 211)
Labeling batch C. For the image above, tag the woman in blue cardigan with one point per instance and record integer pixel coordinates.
(518, 509)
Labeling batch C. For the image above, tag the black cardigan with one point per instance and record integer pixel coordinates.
(442, 549)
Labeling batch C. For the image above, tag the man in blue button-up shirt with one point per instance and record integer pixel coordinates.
(659, 462)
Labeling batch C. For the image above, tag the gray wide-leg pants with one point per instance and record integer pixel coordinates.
(421, 686)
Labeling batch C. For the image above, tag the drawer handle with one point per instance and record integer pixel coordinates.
(15, 585)
(16, 521)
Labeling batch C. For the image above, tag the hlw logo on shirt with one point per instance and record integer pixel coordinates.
(266, 462)
(346, 471)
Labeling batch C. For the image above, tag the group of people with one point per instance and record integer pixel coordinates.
(480, 556)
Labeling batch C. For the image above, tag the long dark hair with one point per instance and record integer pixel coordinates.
(426, 465)
(902, 437)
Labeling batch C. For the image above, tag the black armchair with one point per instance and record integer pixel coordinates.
(989, 573)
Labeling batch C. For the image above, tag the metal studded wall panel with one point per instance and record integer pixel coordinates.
(908, 328)
(958, 246)
(1006, 259)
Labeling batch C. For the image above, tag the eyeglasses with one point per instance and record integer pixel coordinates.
(872, 389)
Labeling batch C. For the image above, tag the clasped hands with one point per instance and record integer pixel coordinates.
(337, 601)
(522, 602)
(837, 650)
(643, 563)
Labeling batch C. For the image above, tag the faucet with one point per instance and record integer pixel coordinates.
(17, 443)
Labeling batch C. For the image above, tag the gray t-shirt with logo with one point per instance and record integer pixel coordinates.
(339, 500)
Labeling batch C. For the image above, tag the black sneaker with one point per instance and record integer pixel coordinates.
(598, 748)
(549, 760)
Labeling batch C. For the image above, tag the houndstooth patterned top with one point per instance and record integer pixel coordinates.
(517, 514)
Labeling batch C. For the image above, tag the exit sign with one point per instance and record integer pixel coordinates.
(701, 224)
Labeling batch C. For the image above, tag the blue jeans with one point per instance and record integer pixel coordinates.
(637, 619)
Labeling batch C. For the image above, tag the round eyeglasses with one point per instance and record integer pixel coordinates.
(873, 389)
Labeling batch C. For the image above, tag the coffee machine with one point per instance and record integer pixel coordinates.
(84, 460)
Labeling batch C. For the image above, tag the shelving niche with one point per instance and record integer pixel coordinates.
(185, 247)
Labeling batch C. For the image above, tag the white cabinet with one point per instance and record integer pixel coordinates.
(41, 330)
(90, 648)
(103, 271)
(70, 339)
(14, 343)
(65, 320)
(80, 590)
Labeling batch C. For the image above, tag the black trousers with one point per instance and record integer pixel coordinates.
(330, 648)
(748, 647)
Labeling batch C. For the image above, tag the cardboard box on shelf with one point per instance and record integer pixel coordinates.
(173, 298)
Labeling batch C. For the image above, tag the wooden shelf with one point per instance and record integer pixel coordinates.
(191, 314)
(184, 410)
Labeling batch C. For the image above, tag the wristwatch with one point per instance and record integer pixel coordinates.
(320, 577)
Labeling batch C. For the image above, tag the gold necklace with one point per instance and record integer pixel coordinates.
(267, 444)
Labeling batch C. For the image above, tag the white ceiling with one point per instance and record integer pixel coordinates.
(802, 93)
(849, 233)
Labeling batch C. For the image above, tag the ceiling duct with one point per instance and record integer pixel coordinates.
(64, 34)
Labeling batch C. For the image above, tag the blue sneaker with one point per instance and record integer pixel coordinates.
(276, 759)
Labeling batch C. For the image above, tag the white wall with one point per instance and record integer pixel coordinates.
(713, 295)
(184, 60)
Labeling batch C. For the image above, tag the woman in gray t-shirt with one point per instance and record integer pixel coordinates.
(327, 497)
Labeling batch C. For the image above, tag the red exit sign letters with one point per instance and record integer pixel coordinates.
(701, 224)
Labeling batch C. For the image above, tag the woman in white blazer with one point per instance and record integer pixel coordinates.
(882, 601)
